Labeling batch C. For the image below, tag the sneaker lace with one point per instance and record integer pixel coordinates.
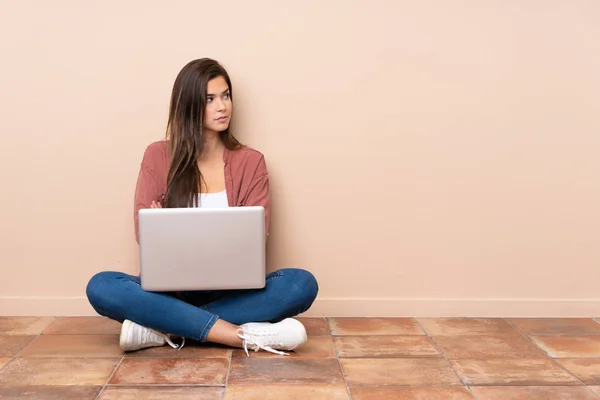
(262, 339)
(176, 346)
(159, 335)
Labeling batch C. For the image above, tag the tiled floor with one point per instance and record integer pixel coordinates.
(345, 358)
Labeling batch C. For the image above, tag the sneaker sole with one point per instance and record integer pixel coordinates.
(125, 335)
(304, 334)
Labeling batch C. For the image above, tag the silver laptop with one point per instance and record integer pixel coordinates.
(202, 248)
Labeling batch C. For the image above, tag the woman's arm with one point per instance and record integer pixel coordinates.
(259, 192)
(146, 192)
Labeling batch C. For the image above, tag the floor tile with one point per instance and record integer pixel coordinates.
(465, 326)
(53, 371)
(188, 351)
(144, 371)
(512, 345)
(569, 346)
(4, 361)
(533, 392)
(446, 393)
(24, 325)
(538, 372)
(398, 372)
(595, 389)
(385, 346)
(50, 392)
(63, 346)
(83, 326)
(322, 392)
(315, 347)
(162, 393)
(315, 326)
(586, 369)
(272, 371)
(374, 326)
(556, 326)
(10, 345)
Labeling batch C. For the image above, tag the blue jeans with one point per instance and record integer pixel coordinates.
(119, 296)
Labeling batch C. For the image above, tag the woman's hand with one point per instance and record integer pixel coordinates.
(155, 204)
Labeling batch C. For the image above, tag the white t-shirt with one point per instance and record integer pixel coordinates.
(214, 200)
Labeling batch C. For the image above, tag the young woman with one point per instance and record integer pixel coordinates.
(201, 164)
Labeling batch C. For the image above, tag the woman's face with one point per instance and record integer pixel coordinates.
(218, 105)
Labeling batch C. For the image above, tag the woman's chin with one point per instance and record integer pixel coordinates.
(219, 127)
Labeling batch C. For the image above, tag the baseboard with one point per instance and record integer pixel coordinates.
(351, 307)
(59, 306)
(433, 307)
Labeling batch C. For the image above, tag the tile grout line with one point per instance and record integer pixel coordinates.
(8, 362)
(110, 376)
(228, 372)
(49, 325)
(551, 358)
(26, 346)
(445, 358)
(79, 334)
(337, 356)
(13, 358)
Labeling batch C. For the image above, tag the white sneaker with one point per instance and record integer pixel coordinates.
(288, 334)
(136, 337)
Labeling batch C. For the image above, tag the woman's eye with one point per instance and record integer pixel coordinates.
(209, 100)
(226, 95)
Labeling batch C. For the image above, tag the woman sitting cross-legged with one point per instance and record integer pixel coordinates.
(200, 163)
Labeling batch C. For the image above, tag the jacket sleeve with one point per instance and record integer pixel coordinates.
(146, 191)
(259, 192)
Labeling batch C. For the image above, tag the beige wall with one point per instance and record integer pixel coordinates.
(426, 157)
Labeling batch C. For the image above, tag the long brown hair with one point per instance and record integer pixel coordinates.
(184, 130)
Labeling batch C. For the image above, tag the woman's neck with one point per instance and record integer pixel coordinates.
(213, 146)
